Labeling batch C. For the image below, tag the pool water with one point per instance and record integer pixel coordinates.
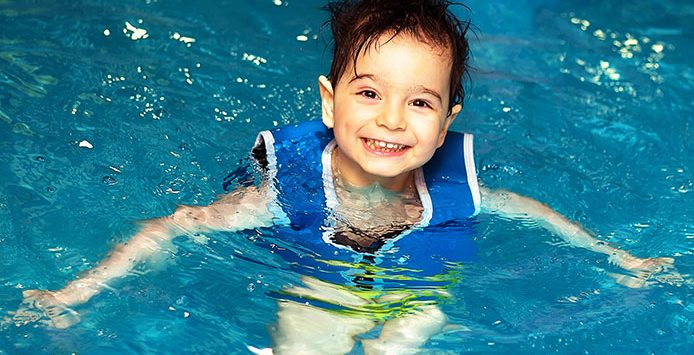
(115, 113)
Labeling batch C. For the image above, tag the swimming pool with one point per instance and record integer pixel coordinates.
(110, 114)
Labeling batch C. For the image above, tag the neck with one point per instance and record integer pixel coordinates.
(355, 176)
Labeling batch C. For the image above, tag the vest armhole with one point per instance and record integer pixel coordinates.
(259, 152)
(469, 156)
(263, 153)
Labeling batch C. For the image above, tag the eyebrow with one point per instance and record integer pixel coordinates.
(363, 76)
(429, 91)
(421, 88)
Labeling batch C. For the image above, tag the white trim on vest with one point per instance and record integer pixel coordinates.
(331, 201)
(471, 172)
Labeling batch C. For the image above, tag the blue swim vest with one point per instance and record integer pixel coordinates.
(297, 161)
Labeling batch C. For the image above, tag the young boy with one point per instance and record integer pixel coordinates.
(394, 89)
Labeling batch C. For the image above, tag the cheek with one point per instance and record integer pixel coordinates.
(344, 117)
(428, 134)
(345, 138)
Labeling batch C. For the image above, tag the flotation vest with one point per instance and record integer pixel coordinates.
(296, 160)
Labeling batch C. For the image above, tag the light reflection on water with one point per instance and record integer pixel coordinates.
(583, 106)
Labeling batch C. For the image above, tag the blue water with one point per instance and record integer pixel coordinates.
(115, 113)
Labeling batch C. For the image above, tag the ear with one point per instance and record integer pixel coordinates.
(455, 110)
(327, 96)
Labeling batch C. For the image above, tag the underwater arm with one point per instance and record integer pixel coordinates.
(236, 211)
(514, 206)
(242, 209)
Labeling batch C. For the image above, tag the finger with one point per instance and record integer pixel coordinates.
(668, 260)
(30, 293)
(667, 263)
(628, 281)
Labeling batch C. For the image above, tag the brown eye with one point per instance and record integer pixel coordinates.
(420, 103)
(370, 94)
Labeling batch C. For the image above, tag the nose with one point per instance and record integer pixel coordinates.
(392, 117)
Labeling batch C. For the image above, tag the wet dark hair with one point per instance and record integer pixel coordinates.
(357, 25)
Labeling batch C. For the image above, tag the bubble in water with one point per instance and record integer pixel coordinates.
(250, 287)
(40, 158)
(22, 128)
(51, 189)
(109, 180)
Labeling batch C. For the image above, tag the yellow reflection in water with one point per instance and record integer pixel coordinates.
(645, 52)
(255, 59)
(135, 33)
(184, 39)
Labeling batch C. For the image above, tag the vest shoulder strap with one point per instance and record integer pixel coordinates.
(451, 179)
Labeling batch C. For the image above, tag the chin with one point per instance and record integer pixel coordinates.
(385, 172)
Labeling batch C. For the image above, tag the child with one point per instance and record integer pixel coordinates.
(389, 177)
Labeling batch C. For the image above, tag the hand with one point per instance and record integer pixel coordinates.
(643, 270)
(650, 265)
(44, 307)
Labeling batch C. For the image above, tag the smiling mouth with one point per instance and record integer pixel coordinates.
(385, 147)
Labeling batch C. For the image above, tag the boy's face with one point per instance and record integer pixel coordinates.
(390, 119)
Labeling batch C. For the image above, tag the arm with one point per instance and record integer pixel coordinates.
(242, 209)
(511, 205)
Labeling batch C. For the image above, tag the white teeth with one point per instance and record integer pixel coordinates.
(383, 145)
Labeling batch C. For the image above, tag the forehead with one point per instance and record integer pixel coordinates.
(403, 58)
